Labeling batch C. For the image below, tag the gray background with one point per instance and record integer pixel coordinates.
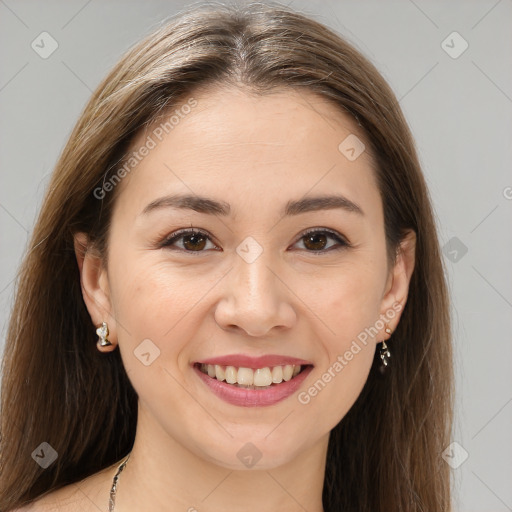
(459, 110)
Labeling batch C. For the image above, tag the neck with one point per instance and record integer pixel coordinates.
(162, 475)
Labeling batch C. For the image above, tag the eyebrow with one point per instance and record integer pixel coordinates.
(213, 207)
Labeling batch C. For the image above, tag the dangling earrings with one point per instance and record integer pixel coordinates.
(385, 354)
(104, 344)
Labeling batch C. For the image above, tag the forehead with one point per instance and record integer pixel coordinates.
(233, 142)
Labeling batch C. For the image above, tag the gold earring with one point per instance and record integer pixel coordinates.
(104, 344)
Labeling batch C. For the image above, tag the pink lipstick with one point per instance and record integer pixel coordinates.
(245, 397)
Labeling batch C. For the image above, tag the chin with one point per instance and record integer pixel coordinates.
(252, 454)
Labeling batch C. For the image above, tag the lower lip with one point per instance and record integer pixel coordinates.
(253, 397)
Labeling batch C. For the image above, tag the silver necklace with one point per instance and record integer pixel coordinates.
(112, 499)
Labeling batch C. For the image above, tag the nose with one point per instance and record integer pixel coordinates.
(256, 299)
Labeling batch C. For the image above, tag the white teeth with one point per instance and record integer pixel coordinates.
(220, 374)
(263, 377)
(247, 377)
(277, 374)
(231, 374)
(287, 372)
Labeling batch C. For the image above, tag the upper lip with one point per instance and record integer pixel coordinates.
(245, 361)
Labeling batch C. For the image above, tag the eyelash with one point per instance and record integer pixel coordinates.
(167, 242)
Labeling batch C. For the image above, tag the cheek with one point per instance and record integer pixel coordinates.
(154, 329)
(341, 383)
(347, 307)
(349, 349)
(152, 298)
(151, 309)
(348, 303)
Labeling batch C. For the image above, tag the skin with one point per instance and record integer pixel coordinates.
(255, 154)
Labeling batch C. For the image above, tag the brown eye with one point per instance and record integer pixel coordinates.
(192, 240)
(317, 240)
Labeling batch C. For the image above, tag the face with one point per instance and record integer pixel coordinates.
(253, 280)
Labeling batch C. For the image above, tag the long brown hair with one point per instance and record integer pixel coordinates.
(385, 454)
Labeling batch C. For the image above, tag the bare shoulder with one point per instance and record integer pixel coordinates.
(61, 500)
(88, 495)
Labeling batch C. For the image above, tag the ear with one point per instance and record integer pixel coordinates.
(94, 284)
(397, 285)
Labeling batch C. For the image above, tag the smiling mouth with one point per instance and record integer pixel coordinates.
(252, 378)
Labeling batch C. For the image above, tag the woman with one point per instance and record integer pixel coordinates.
(234, 294)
